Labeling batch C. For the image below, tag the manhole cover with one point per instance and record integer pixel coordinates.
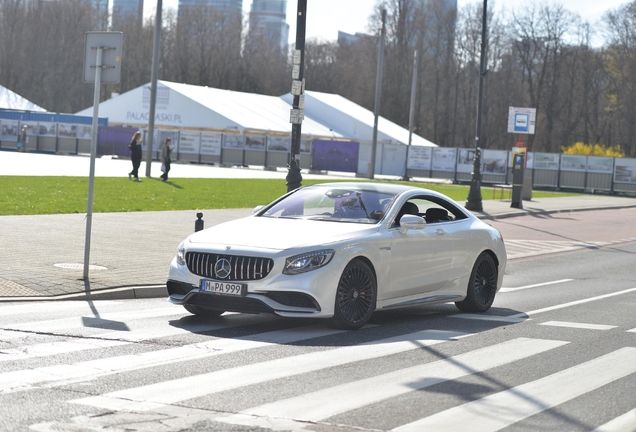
(72, 266)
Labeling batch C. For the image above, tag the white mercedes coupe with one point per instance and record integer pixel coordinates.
(341, 251)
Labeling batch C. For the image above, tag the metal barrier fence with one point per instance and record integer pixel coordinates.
(546, 170)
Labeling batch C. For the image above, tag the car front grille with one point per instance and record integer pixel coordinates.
(240, 268)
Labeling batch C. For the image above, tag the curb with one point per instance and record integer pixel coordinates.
(121, 293)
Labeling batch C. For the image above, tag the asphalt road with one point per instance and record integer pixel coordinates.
(556, 352)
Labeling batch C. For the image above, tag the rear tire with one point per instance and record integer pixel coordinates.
(355, 296)
(482, 285)
(203, 312)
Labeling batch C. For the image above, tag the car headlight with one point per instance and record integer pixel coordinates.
(181, 255)
(307, 262)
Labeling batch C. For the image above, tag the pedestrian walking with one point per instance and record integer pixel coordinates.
(22, 139)
(135, 155)
(166, 151)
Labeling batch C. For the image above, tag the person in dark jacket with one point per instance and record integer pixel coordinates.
(166, 151)
(135, 155)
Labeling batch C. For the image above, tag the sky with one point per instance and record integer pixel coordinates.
(326, 17)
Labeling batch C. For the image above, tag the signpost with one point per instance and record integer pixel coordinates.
(102, 64)
(297, 114)
(522, 121)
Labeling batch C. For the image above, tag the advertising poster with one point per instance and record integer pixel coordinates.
(189, 142)
(47, 129)
(465, 160)
(84, 131)
(156, 141)
(211, 144)
(335, 156)
(65, 130)
(278, 144)
(419, 158)
(600, 164)
(255, 142)
(233, 142)
(444, 159)
(32, 127)
(573, 163)
(546, 161)
(625, 171)
(8, 130)
(494, 162)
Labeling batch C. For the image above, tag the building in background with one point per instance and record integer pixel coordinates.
(125, 9)
(101, 6)
(440, 16)
(228, 6)
(268, 18)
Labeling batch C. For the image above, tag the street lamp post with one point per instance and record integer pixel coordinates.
(474, 200)
(294, 177)
(154, 73)
(378, 94)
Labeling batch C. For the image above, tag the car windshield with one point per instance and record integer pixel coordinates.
(333, 205)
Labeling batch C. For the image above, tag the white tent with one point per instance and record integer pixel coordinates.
(12, 100)
(351, 120)
(189, 106)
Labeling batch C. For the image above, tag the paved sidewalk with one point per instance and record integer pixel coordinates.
(41, 257)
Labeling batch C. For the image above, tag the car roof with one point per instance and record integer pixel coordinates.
(395, 189)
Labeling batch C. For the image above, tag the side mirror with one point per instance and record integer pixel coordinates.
(257, 209)
(411, 222)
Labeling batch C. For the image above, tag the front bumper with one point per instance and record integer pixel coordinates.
(283, 303)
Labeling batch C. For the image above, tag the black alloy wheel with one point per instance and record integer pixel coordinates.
(355, 296)
(482, 285)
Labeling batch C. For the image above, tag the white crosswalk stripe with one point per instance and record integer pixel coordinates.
(418, 367)
(88, 370)
(329, 402)
(503, 409)
(168, 392)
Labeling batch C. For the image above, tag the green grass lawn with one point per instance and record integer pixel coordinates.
(56, 195)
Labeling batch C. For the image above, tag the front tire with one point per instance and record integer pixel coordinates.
(482, 285)
(355, 296)
(202, 312)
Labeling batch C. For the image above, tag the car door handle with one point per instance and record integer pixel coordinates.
(440, 232)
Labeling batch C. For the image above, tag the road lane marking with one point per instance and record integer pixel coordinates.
(34, 309)
(151, 396)
(574, 303)
(322, 404)
(578, 325)
(508, 407)
(50, 376)
(624, 423)
(496, 318)
(535, 285)
(49, 326)
(54, 348)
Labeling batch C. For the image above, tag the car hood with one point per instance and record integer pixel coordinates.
(279, 234)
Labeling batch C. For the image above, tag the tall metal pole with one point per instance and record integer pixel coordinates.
(91, 176)
(411, 114)
(153, 87)
(378, 94)
(474, 200)
(297, 114)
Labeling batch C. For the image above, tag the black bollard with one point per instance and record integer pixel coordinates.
(198, 224)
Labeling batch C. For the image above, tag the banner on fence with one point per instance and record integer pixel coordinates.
(444, 159)
(211, 144)
(419, 158)
(335, 156)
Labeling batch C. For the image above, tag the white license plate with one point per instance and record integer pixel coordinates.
(224, 288)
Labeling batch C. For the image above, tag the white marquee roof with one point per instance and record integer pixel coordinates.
(189, 106)
(351, 120)
(12, 100)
